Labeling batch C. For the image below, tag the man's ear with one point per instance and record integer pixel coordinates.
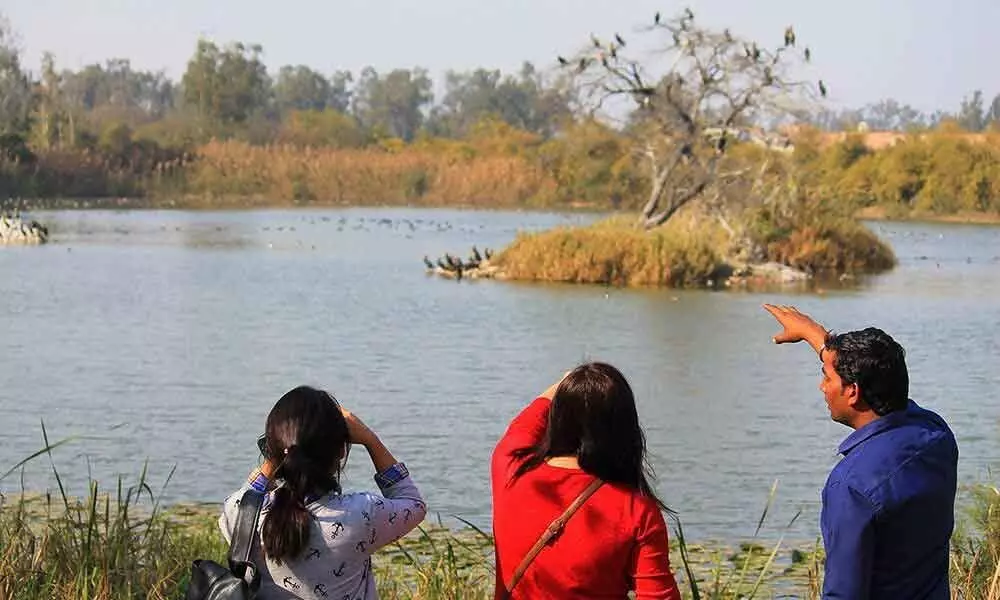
(854, 399)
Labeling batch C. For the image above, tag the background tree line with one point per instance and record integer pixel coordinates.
(229, 128)
(227, 92)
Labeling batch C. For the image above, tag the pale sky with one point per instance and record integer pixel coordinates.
(926, 53)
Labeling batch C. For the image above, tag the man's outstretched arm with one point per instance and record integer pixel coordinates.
(797, 327)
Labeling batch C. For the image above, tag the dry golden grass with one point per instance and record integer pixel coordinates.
(837, 245)
(614, 252)
(240, 174)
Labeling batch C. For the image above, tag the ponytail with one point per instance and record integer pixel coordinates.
(286, 529)
(307, 431)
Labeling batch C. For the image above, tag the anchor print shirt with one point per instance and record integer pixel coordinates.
(346, 530)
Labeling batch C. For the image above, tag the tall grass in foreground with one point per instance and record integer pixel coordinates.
(124, 545)
(110, 544)
(975, 564)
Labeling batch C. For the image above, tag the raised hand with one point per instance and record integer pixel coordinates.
(551, 391)
(796, 326)
(357, 431)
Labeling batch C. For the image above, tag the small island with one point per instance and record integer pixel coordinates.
(725, 204)
(15, 231)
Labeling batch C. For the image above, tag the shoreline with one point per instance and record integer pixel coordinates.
(879, 215)
(248, 204)
(875, 214)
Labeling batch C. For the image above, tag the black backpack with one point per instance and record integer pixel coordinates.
(212, 581)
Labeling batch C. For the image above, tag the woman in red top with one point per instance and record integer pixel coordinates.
(582, 428)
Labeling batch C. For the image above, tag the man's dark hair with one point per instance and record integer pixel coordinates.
(876, 363)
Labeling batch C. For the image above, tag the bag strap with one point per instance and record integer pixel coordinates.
(552, 531)
(243, 535)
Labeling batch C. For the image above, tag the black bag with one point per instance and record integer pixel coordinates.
(212, 581)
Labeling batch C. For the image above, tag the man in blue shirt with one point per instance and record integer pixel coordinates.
(888, 505)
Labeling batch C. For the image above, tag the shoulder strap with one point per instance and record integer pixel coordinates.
(551, 531)
(243, 535)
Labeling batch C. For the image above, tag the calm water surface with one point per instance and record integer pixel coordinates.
(168, 336)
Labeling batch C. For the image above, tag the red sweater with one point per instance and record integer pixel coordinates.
(616, 542)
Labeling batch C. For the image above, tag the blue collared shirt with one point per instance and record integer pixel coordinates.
(889, 510)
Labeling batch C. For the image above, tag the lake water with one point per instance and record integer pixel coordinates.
(168, 336)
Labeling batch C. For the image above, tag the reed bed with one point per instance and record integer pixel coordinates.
(121, 544)
(238, 174)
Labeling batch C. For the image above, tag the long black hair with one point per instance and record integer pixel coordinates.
(307, 439)
(593, 418)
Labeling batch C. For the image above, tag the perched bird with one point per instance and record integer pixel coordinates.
(583, 65)
(688, 14)
(808, 54)
(428, 262)
(488, 253)
(656, 19)
(728, 35)
(620, 40)
(475, 254)
(822, 88)
(789, 36)
(562, 61)
(636, 77)
(720, 145)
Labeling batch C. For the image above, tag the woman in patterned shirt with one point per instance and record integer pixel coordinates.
(314, 540)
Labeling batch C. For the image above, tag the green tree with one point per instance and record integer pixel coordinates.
(226, 85)
(972, 115)
(118, 86)
(15, 86)
(320, 128)
(890, 115)
(524, 102)
(340, 91)
(50, 117)
(301, 88)
(993, 116)
(392, 105)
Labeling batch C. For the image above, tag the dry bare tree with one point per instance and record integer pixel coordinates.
(699, 91)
